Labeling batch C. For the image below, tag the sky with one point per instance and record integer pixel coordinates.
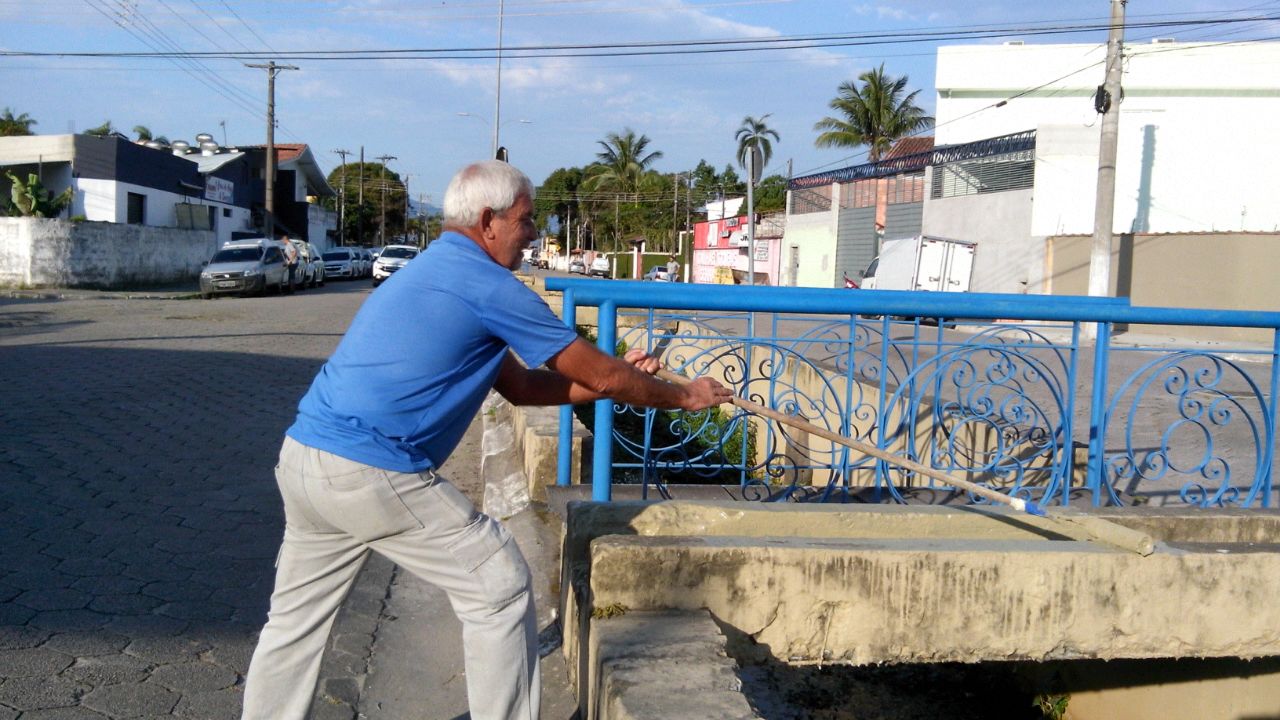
(434, 111)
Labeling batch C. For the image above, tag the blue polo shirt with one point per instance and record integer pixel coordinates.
(420, 356)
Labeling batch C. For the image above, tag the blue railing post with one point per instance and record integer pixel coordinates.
(564, 458)
(602, 449)
(1269, 473)
(1097, 413)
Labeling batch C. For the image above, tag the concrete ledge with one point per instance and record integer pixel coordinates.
(921, 600)
(537, 444)
(662, 666)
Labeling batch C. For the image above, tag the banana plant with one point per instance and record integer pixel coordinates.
(30, 199)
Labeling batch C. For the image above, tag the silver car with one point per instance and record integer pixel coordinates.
(342, 262)
(245, 267)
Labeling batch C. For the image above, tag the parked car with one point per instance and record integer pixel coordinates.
(245, 267)
(366, 258)
(342, 262)
(305, 276)
(392, 258)
(577, 266)
(658, 273)
(601, 267)
(316, 261)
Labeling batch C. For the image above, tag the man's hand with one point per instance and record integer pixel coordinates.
(704, 393)
(643, 361)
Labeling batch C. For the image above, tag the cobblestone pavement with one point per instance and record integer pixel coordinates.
(137, 439)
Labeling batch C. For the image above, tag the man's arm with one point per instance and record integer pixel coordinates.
(581, 373)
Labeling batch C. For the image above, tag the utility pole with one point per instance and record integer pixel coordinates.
(272, 70)
(360, 203)
(675, 201)
(342, 198)
(382, 223)
(1107, 103)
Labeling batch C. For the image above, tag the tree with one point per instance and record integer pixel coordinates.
(361, 219)
(874, 114)
(755, 133)
(30, 199)
(103, 130)
(558, 198)
(13, 126)
(621, 163)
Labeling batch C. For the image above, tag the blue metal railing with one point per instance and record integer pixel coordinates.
(1002, 403)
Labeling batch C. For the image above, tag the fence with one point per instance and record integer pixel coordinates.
(999, 389)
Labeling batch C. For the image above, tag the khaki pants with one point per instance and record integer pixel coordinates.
(336, 512)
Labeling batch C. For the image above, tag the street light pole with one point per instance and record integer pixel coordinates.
(497, 100)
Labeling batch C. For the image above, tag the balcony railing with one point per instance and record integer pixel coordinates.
(996, 389)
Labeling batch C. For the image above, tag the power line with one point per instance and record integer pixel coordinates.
(664, 47)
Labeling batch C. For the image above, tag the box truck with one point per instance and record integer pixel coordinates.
(921, 263)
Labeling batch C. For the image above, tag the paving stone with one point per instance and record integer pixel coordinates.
(164, 649)
(8, 713)
(154, 573)
(38, 578)
(13, 637)
(67, 713)
(146, 625)
(196, 610)
(108, 585)
(65, 620)
(57, 599)
(345, 690)
(89, 567)
(32, 662)
(85, 644)
(11, 614)
(36, 693)
(109, 670)
(124, 604)
(328, 709)
(188, 677)
(131, 699)
(8, 592)
(178, 591)
(235, 657)
(214, 705)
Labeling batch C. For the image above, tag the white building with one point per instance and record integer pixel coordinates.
(1196, 153)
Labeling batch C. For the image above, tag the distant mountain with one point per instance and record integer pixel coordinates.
(426, 208)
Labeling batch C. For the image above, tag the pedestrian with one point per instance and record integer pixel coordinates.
(673, 269)
(359, 468)
(290, 260)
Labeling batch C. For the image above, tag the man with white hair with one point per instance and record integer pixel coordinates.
(357, 470)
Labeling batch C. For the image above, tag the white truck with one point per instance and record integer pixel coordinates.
(921, 263)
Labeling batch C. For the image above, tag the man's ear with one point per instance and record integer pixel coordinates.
(486, 218)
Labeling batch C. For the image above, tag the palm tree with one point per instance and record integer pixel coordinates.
(11, 125)
(104, 130)
(754, 133)
(873, 114)
(621, 164)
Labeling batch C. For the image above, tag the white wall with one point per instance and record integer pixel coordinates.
(60, 253)
(1007, 258)
(815, 236)
(1212, 110)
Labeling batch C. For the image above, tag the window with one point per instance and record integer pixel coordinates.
(226, 212)
(137, 209)
(994, 173)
